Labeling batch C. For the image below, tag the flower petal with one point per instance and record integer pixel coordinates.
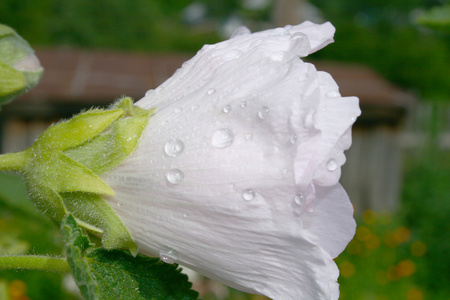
(232, 176)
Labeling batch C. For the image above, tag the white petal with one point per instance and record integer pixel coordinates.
(232, 176)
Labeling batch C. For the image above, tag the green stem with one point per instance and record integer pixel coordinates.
(13, 161)
(43, 263)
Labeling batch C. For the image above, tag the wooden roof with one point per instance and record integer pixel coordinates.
(83, 78)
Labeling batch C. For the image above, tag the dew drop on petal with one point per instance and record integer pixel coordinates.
(118, 204)
(147, 93)
(175, 176)
(168, 255)
(309, 120)
(332, 164)
(248, 136)
(194, 107)
(211, 91)
(222, 138)
(279, 32)
(226, 109)
(248, 194)
(293, 139)
(284, 171)
(263, 112)
(333, 94)
(303, 77)
(178, 109)
(353, 119)
(240, 31)
(174, 147)
(243, 104)
(299, 199)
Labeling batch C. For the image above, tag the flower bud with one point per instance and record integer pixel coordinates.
(20, 69)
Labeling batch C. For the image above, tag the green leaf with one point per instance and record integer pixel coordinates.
(102, 274)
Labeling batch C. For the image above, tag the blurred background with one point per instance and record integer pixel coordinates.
(397, 172)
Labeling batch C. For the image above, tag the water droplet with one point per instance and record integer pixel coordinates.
(243, 104)
(211, 91)
(226, 109)
(279, 32)
(168, 255)
(263, 112)
(231, 186)
(185, 215)
(118, 204)
(332, 164)
(147, 93)
(309, 120)
(248, 194)
(293, 139)
(178, 109)
(284, 171)
(174, 147)
(248, 136)
(222, 138)
(194, 107)
(303, 77)
(240, 31)
(175, 176)
(333, 94)
(353, 119)
(299, 199)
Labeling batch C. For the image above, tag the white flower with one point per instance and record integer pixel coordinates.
(236, 175)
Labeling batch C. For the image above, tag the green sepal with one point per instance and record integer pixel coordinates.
(107, 150)
(60, 173)
(77, 130)
(111, 275)
(47, 200)
(63, 168)
(96, 216)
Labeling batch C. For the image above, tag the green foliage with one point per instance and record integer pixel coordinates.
(102, 274)
(381, 261)
(437, 18)
(109, 24)
(24, 231)
(426, 207)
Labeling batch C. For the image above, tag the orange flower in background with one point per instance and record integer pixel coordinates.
(406, 268)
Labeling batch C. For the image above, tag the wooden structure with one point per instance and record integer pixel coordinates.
(74, 80)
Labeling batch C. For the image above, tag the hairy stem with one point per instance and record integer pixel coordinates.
(30, 262)
(13, 161)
